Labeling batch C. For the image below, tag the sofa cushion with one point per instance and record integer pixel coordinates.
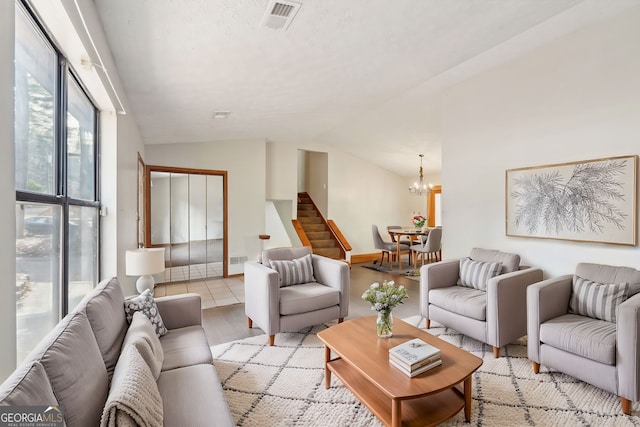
(467, 302)
(27, 386)
(185, 347)
(134, 399)
(583, 336)
(193, 396)
(610, 274)
(306, 298)
(74, 365)
(142, 336)
(476, 274)
(103, 307)
(510, 262)
(145, 304)
(596, 300)
(295, 271)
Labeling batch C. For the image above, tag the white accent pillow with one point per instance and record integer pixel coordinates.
(476, 274)
(294, 272)
(147, 305)
(597, 300)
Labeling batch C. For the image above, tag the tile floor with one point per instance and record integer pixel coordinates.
(214, 292)
(189, 272)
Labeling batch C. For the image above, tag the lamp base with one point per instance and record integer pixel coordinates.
(145, 282)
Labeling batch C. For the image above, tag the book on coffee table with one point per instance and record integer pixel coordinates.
(416, 371)
(414, 366)
(414, 353)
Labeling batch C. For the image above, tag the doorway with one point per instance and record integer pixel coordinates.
(186, 213)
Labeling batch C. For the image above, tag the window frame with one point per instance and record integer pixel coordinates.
(60, 198)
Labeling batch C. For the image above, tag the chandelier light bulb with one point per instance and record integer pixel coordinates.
(420, 188)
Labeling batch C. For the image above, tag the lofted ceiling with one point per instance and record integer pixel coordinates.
(363, 75)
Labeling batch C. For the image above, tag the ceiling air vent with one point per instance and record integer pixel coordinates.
(280, 13)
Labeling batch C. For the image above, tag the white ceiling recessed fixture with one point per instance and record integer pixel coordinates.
(280, 13)
(220, 115)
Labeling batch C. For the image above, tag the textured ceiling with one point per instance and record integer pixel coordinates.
(346, 72)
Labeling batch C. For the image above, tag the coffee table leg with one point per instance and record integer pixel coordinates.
(327, 372)
(396, 413)
(467, 399)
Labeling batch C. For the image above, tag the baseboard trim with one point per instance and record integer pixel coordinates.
(364, 257)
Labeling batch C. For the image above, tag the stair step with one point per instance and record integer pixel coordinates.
(326, 243)
(310, 220)
(302, 214)
(313, 227)
(328, 252)
(305, 207)
(319, 235)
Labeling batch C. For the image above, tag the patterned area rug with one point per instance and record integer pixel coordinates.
(284, 386)
(385, 268)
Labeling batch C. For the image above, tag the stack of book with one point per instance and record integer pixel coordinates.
(414, 357)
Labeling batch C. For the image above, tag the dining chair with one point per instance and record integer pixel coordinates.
(387, 247)
(431, 245)
(404, 239)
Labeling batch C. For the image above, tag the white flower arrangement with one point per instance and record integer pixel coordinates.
(384, 297)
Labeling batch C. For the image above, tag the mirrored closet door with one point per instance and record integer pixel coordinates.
(186, 214)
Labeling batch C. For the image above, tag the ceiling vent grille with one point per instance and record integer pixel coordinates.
(279, 14)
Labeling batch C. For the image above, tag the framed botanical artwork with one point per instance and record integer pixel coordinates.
(589, 201)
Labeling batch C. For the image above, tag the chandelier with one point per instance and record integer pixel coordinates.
(419, 188)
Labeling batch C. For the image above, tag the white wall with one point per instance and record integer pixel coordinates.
(576, 98)
(7, 195)
(245, 163)
(316, 180)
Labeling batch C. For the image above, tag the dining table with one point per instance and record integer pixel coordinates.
(397, 233)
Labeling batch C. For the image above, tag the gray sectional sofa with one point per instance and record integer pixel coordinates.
(74, 365)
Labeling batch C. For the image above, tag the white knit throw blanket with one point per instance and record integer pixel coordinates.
(134, 399)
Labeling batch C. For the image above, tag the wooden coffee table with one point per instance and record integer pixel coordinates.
(363, 367)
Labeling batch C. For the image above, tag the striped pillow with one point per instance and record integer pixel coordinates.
(476, 274)
(597, 300)
(294, 272)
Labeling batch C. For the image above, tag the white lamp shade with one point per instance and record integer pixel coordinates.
(143, 261)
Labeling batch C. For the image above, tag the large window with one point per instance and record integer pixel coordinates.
(57, 206)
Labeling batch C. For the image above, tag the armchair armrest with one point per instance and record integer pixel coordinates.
(507, 305)
(437, 275)
(545, 300)
(628, 348)
(262, 296)
(179, 311)
(334, 273)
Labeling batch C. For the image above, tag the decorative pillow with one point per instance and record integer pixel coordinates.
(145, 304)
(476, 274)
(597, 300)
(141, 334)
(294, 272)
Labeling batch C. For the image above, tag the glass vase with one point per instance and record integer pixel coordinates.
(384, 324)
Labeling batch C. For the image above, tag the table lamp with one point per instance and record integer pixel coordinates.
(145, 262)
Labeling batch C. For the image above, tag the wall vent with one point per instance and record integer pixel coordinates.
(280, 13)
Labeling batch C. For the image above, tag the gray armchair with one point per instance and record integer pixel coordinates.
(603, 353)
(495, 315)
(276, 306)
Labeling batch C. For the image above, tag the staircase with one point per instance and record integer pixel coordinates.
(322, 241)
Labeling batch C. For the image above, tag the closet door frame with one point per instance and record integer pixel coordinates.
(189, 171)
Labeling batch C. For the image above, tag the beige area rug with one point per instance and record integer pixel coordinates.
(284, 386)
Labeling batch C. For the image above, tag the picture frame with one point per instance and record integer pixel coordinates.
(583, 201)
